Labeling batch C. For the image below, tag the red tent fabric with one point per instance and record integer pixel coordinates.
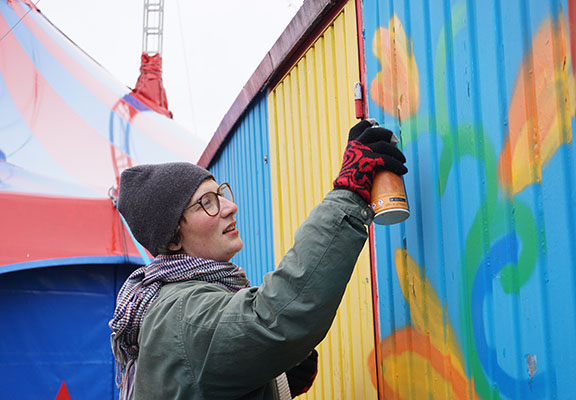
(67, 130)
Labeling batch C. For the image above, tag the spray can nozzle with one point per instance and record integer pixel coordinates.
(394, 139)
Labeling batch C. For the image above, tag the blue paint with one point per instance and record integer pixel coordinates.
(498, 257)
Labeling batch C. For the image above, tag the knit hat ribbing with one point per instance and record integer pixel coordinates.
(152, 198)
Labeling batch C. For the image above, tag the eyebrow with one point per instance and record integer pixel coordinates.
(208, 191)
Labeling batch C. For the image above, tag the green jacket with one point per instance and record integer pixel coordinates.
(201, 341)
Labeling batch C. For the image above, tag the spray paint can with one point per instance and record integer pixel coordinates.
(388, 196)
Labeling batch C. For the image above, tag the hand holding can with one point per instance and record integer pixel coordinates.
(371, 149)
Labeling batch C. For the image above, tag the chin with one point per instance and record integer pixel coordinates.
(237, 249)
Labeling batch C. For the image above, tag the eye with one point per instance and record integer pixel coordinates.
(208, 200)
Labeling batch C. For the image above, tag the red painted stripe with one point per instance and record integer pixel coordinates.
(44, 227)
(374, 276)
(362, 55)
(375, 311)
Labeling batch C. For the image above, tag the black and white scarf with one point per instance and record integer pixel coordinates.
(142, 288)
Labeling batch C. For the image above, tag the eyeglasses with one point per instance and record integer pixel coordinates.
(210, 201)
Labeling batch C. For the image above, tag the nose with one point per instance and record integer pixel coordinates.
(227, 207)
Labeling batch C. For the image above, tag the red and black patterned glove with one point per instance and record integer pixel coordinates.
(301, 377)
(369, 150)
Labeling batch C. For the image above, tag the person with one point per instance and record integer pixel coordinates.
(190, 326)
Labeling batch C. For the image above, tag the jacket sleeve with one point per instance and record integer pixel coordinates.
(264, 331)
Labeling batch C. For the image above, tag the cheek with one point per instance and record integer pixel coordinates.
(200, 230)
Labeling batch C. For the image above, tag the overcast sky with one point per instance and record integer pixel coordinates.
(211, 48)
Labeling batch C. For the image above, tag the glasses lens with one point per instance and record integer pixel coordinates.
(226, 192)
(210, 203)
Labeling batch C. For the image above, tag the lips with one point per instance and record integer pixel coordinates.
(230, 228)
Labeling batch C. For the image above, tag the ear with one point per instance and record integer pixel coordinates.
(175, 246)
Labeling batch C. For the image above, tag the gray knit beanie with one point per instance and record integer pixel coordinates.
(152, 199)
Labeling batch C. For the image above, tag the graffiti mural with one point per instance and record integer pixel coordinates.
(476, 289)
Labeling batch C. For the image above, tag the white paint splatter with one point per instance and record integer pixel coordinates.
(532, 364)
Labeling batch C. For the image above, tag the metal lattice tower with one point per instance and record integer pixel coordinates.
(153, 27)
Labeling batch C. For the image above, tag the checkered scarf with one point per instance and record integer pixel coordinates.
(141, 289)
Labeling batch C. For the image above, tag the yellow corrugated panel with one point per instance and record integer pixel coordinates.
(311, 111)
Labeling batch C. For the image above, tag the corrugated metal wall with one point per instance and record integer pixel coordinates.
(311, 111)
(477, 290)
(243, 162)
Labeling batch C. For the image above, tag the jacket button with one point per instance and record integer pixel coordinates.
(364, 213)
